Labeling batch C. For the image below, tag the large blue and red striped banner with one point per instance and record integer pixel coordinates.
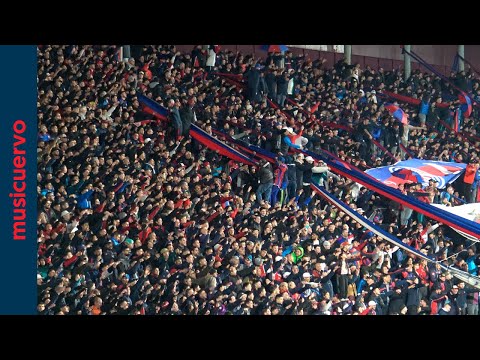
(254, 151)
(152, 107)
(217, 145)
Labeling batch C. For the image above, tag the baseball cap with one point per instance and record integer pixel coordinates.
(309, 159)
(64, 212)
(372, 303)
(307, 274)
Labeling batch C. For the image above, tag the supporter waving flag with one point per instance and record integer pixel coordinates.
(466, 104)
(397, 113)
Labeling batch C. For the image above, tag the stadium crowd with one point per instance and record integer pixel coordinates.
(136, 217)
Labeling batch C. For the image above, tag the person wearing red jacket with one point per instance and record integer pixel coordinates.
(147, 71)
(468, 179)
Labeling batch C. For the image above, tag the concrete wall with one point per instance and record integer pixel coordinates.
(375, 56)
(433, 54)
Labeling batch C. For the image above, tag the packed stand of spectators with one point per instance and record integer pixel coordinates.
(136, 217)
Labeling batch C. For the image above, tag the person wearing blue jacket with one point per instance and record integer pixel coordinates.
(423, 111)
(471, 261)
(83, 200)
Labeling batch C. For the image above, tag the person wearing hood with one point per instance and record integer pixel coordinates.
(297, 254)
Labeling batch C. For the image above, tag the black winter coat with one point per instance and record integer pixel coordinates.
(265, 174)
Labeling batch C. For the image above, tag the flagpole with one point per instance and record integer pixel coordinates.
(348, 54)
(126, 52)
(461, 63)
(406, 59)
